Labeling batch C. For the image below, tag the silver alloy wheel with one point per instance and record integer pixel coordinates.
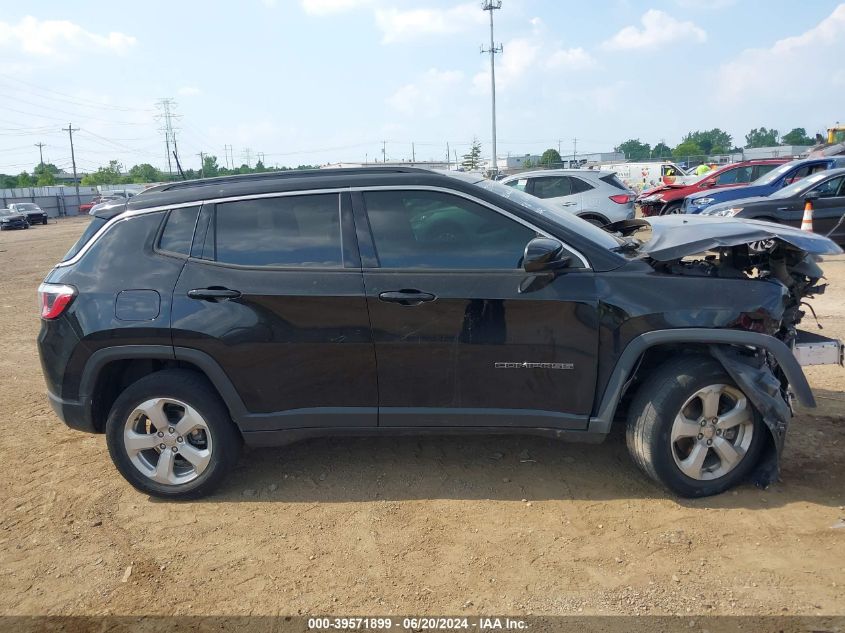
(168, 441)
(712, 432)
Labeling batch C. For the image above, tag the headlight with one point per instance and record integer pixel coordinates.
(702, 201)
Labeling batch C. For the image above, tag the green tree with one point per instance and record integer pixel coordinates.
(713, 141)
(210, 168)
(797, 136)
(110, 175)
(661, 150)
(259, 168)
(761, 137)
(472, 159)
(550, 157)
(686, 149)
(528, 164)
(634, 149)
(144, 173)
(24, 180)
(8, 182)
(45, 179)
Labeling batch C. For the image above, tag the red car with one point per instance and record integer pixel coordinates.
(667, 199)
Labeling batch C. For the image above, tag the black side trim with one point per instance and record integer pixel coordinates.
(615, 386)
(102, 357)
(460, 417)
(290, 436)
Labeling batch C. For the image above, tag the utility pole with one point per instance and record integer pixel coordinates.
(558, 146)
(413, 153)
(202, 163)
(40, 147)
(384, 151)
(493, 5)
(226, 150)
(574, 148)
(248, 157)
(70, 130)
(448, 158)
(167, 107)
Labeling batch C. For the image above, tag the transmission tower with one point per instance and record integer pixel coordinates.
(167, 113)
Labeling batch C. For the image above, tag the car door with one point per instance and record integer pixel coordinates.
(273, 294)
(457, 343)
(829, 206)
(557, 189)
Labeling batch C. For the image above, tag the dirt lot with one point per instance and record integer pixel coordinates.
(403, 526)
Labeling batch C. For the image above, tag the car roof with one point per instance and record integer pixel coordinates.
(294, 180)
(561, 172)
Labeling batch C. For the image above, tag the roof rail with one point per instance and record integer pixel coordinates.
(290, 173)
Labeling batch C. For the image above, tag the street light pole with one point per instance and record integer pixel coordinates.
(493, 5)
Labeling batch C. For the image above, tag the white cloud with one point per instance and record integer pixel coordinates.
(570, 58)
(53, 38)
(327, 7)
(425, 96)
(189, 91)
(397, 25)
(814, 57)
(658, 28)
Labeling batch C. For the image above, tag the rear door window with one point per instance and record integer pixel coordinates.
(580, 186)
(552, 186)
(762, 170)
(179, 231)
(288, 231)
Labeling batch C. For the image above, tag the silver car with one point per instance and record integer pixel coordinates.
(597, 196)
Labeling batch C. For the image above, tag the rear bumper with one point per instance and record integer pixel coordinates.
(76, 414)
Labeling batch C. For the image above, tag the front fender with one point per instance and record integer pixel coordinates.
(601, 422)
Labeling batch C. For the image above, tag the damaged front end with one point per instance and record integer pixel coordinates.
(757, 251)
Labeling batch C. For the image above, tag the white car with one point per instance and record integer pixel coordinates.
(597, 196)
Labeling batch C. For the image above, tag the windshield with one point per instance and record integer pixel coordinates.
(772, 176)
(540, 207)
(26, 206)
(800, 185)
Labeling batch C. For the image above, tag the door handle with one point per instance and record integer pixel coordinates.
(568, 204)
(213, 294)
(406, 297)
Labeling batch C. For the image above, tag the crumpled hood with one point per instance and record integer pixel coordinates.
(677, 236)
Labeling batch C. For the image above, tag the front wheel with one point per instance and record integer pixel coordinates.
(170, 435)
(673, 208)
(692, 429)
(44, 221)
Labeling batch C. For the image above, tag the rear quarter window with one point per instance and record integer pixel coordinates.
(95, 225)
(613, 181)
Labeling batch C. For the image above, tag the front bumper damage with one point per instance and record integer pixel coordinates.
(770, 396)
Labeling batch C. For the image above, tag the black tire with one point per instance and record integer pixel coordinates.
(192, 389)
(673, 208)
(44, 221)
(651, 416)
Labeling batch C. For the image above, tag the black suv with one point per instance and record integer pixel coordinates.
(263, 309)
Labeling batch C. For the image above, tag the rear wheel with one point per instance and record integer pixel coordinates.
(673, 208)
(692, 429)
(170, 435)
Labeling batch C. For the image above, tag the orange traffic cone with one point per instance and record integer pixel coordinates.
(807, 221)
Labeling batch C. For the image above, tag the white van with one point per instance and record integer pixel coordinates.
(642, 176)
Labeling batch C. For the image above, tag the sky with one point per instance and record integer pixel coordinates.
(317, 81)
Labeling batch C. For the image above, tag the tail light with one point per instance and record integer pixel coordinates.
(54, 299)
(622, 198)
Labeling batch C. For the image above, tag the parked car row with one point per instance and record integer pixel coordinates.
(773, 190)
(88, 207)
(22, 215)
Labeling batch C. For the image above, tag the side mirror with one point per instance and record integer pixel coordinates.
(811, 196)
(543, 254)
